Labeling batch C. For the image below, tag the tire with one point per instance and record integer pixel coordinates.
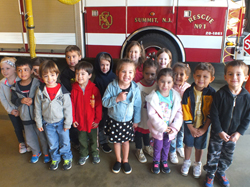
(159, 41)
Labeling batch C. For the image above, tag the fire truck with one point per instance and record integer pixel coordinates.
(193, 30)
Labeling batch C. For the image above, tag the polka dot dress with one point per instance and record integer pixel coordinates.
(119, 132)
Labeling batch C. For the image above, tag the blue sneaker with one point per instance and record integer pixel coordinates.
(164, 167)
(222, 179)
(209, 181)
(46, 159)
(34, 159)
(156, 167)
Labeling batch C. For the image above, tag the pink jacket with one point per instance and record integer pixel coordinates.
(181, 89)
(155, 122)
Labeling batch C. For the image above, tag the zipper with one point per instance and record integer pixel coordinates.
(234, 103)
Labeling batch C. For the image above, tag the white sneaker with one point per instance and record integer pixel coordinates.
(22, 148)
(28, 148)
(140, 156)
(197, 169)
(149, 150)
(173, 158)
(185, 167)
(181, 152)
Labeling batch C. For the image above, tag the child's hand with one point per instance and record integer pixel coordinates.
(15, 112)
(234, 137)
(169, 130)
(121, 97)
(224, 136)
(194, 132)
(65, 129)
(29, 101)
(94, 125)
(135, 125)
(26, 101)
(75, 124)
(201, 131)
(40, 129)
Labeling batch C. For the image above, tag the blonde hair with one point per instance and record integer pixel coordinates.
(164, 50)
(7, 59)
(48, 66)
(142, 51)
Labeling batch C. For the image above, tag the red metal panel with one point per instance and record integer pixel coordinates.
(203, 55)
(93, 50)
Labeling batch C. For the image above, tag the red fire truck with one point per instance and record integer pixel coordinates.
(193, 30)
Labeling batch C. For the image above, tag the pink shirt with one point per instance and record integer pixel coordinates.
(181, 89)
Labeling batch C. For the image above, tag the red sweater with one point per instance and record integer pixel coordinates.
(82, 111)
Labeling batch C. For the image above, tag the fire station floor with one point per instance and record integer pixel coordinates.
(15, 169)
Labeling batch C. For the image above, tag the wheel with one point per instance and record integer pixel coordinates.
(153, 42)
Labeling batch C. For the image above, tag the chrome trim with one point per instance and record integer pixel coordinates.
(224, 35)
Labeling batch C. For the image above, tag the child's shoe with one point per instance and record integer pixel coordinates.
(54, 165)
(96, 159)
(149, 150)
(156, 167)
(22, 148)
(185, 167)
(209, 181)
(173, 158)
(34, 159)
(181, 152)
(117, 167)
(222, 179)
(197, 169)
(83, 160)
(106, 149)
(126, 168)
(67, 164)
(164, 167)
(46, 159)
(140, 156)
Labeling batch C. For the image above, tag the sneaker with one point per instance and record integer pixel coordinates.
(126, 168)
(67, 164)
(149, 150)
(181, 152)
(164, 167)
(156, 167)
(22, 148)
(222, 179)
(117, 167)
(83, 160)
(96, 159)
(173, 158)
(106, 149)
(28, 148)
(209, 181)
(197, 169)
(185, 167)
(140, 156)
(46, 159)
(34, 159)
(54, 165)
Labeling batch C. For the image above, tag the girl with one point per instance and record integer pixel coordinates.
(123, 100)
(135, 51)
(164, 58)
(8, 70)
(146, 85)
(165, 118)
(181, 74)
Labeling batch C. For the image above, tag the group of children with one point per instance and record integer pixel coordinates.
(143, 98)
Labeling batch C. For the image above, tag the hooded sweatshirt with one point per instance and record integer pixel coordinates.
(103, 79)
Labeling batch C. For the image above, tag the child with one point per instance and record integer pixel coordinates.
(8, 70)
(135, 51)
(53, 114)
(35, 67)
(230, 117)
(22, 95)
(164, 58)
(67, 77)
(165, 118)
(196, 103)
(87, 111)
(181, 74)
(146, 85)
(103, 76)
(123, 100)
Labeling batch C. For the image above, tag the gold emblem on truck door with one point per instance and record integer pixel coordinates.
(105, 20)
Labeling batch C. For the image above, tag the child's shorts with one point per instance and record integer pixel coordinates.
(190, 141)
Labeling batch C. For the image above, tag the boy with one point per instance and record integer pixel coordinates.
(87, 111)
(53, 111)
(35, 67)
(103, 76)
(73, 56)
(230, 117)
(196, 103)
(22, 95)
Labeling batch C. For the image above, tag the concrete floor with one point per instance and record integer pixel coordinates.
(17, 171)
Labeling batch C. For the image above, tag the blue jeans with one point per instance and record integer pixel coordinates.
(178, 141)
(58, 140)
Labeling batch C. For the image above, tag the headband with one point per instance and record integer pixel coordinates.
(9, 62)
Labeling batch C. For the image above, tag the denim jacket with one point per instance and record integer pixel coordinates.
(126, 110)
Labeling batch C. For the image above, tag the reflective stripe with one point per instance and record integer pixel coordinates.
(105, 39)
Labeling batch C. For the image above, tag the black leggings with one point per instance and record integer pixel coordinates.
(138, 140)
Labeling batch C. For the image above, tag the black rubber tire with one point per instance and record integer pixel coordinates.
(159, 41)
